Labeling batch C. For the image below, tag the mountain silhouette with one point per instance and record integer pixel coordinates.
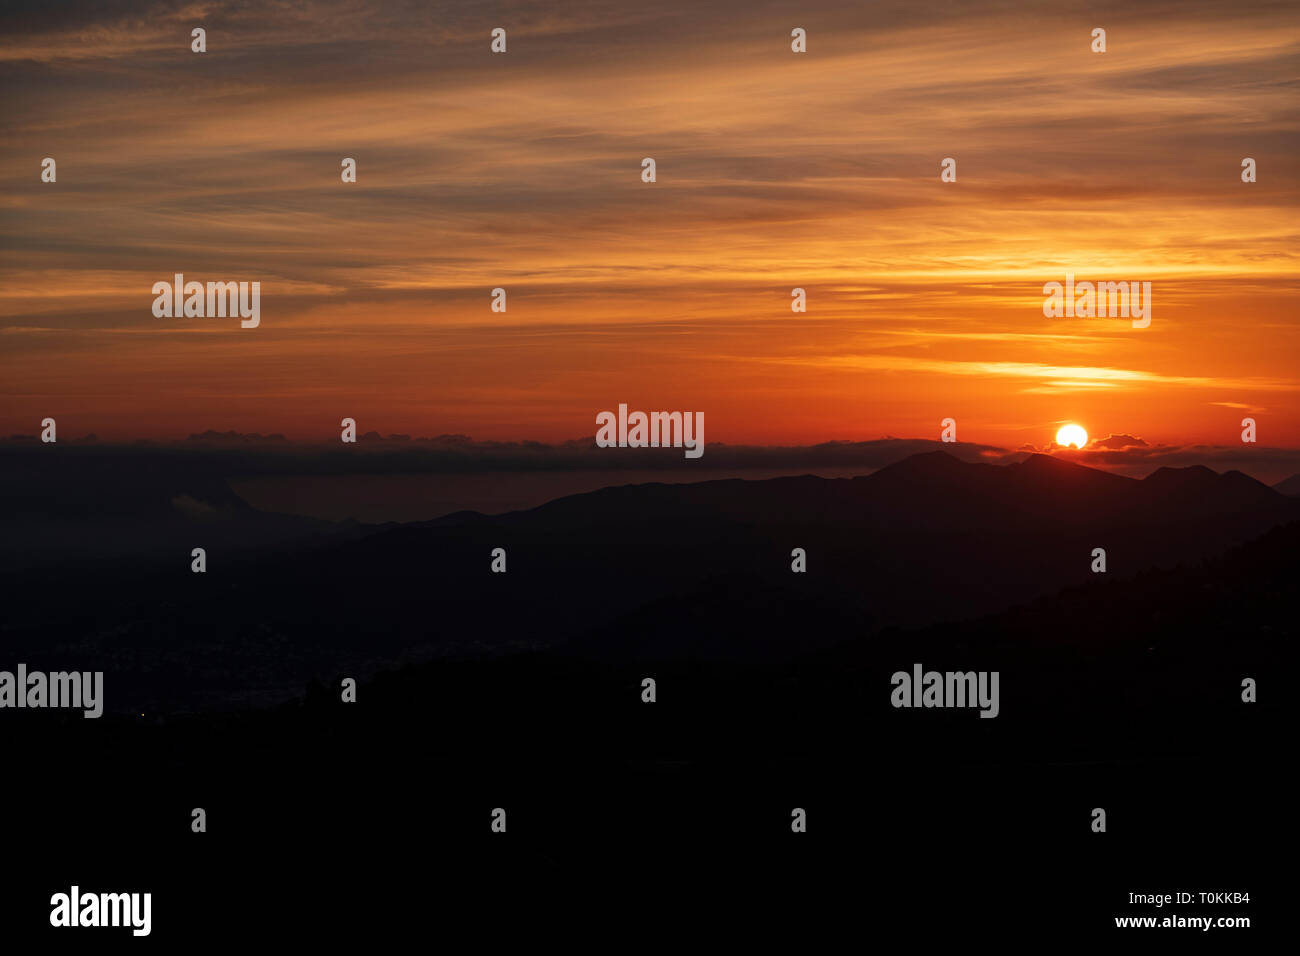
(932, 490)
(83, 504)
(693, 571)
(1124, 692)
(523, 689)
(1288, 486)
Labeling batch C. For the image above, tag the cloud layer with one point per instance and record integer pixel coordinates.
(775, 170)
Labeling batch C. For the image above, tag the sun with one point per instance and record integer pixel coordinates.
(1072, 435)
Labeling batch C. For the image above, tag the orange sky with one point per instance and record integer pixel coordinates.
(775, 170)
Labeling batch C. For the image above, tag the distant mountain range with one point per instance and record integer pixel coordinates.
(933, 491)
(696, 571)
(1288, 486)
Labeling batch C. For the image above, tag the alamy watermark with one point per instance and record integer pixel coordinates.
(1101, 300)
(653, 430)
(75, 908)
(192, 300)
(82, 690)
(947, 689)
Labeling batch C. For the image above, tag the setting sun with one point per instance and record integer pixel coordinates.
(1072, 435)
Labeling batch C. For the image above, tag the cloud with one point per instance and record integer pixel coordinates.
(775, 170)
(1118, 441)
(1060, 376)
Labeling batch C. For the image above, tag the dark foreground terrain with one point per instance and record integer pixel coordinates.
(523, 691)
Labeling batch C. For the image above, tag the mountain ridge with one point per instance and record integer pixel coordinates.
(929, 489)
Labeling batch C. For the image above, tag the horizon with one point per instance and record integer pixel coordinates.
(1127, 455)
(415, 480)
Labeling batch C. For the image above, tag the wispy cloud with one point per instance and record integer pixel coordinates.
(775, 171)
